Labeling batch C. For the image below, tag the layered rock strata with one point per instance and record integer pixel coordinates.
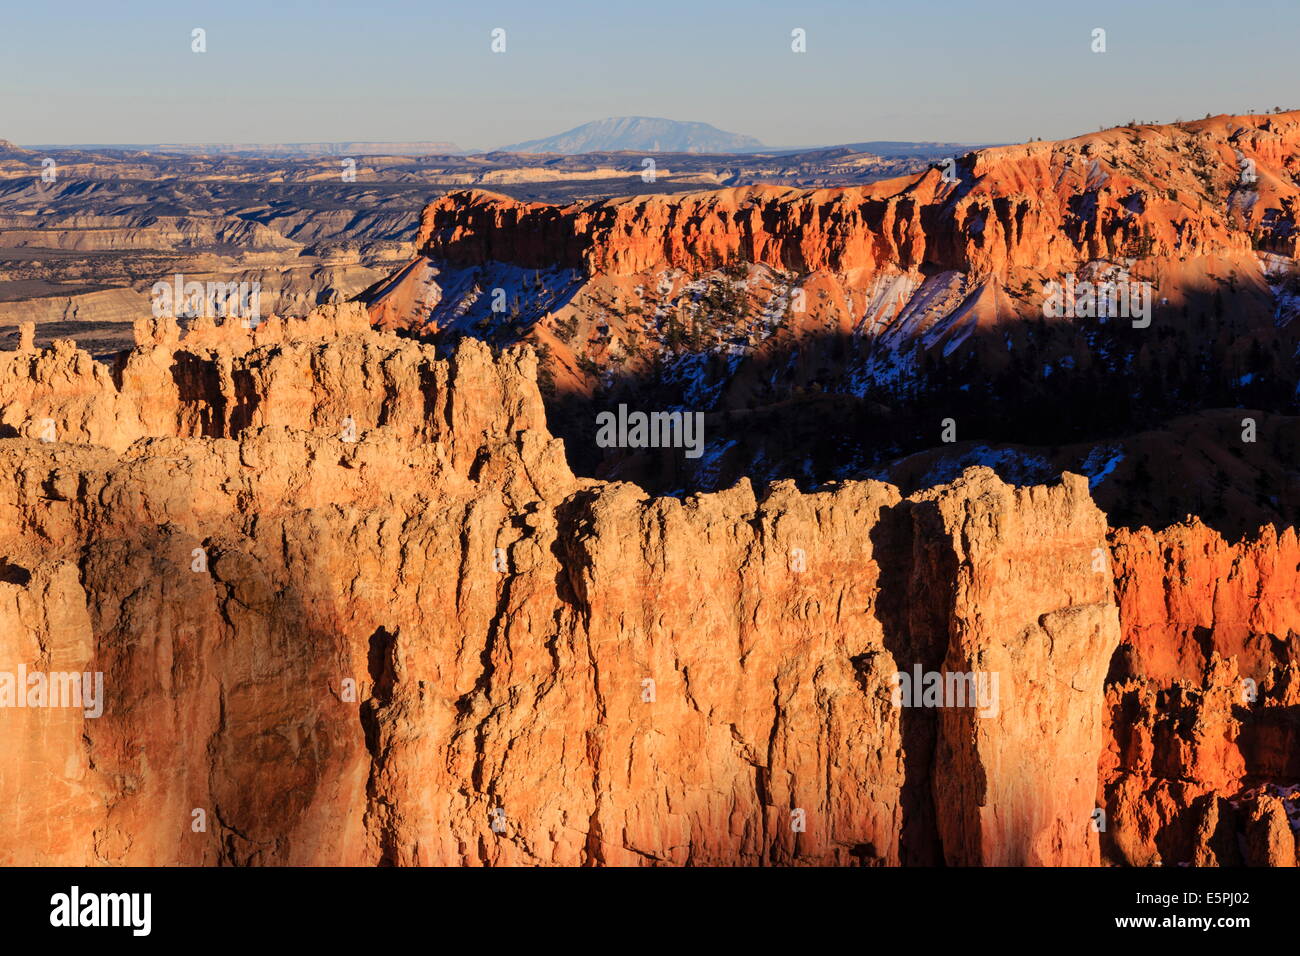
(351, 606)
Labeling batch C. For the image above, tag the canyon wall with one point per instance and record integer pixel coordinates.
(826, 332)
(1203, 700)
(351, 606)
(1173, 192)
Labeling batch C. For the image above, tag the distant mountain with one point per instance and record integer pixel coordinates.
(640, 134)
(8, 147)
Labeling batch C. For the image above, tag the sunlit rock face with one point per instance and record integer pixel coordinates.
(350, 605)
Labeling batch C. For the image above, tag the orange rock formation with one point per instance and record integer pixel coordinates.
(1153, 191)
(352, 607)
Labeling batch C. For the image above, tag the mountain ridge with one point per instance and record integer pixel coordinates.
(642, 133)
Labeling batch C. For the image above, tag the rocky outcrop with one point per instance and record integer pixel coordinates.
(1141, 191)
(1029, 607)
(871, 312)
(951, 259)
(425, 641)
(1269, 837)
(1203, 701)
(1185, 595)
(324, 372)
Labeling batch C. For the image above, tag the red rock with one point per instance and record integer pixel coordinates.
(500, 619)
(203, 532)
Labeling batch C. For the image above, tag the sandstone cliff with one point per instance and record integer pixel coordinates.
(1202, 700)
(1176, 202)
(352, 606)
(423, 640)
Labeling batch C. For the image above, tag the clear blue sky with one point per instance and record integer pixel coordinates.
(121, 71)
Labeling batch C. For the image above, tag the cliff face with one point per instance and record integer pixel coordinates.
(1176, 192)
(1029, 607)
(433, 644)
(351, 606)
(1203, 698)
(1187, 595)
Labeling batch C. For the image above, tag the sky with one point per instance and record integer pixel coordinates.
(967, 71)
